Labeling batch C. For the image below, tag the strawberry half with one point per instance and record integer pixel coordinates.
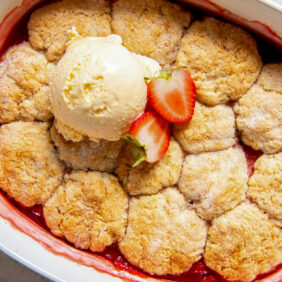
(173, 95)
(150, 134)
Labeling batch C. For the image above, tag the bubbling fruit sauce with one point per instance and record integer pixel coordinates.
(31, 220)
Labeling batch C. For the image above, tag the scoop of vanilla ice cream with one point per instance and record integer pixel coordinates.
(98, 88)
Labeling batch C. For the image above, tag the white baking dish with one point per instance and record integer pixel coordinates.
(255, 14)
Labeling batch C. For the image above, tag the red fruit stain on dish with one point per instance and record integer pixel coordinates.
(11, 20)
(31, 221)
(256, 26)
(173, 95)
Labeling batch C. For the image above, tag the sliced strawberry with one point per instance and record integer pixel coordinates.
(173, 95)
(150, 134)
